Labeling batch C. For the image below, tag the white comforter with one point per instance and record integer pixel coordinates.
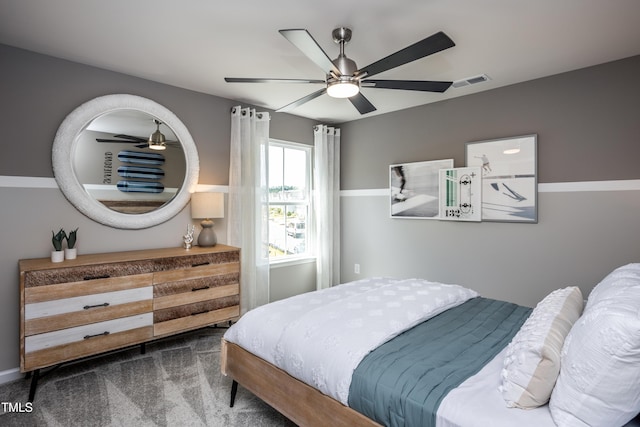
(321, 337)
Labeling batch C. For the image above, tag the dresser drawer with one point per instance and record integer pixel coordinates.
(193, 289)
(86, 333)
(195, 321)
(196, 260)
(86, 302)
(195, 271)
(190, 310)
(71, 343)
(63, 313)
(91, 273)
(195, 282)
(85, 287)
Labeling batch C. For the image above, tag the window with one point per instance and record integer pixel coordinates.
(289, 199)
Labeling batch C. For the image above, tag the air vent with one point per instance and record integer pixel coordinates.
(470, 81)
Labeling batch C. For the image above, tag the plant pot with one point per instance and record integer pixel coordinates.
(70, 253)
(57, 256)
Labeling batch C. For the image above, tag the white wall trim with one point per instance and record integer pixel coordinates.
(37, 182)
(568, 187)
(10, 375)
(359, 193)
(551, 187)
(27, 182)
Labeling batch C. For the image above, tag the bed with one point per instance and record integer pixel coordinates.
(384, 351)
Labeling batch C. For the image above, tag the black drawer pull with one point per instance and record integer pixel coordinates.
(200, 264)
(87, 307)
(106, 276)
(199, 289)
(199, 312)
(105, 333)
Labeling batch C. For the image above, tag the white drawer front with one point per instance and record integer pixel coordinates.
(66, 336)
(69, 305)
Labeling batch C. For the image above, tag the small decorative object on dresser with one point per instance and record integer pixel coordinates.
(57, 255)
(103, 302)
(207, 206)
(187, 239)
(71, 252)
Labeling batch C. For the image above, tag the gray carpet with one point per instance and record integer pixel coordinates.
(176, 383)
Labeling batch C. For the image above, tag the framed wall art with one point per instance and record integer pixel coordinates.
(509, 177)
(461, 194)
(415, 189)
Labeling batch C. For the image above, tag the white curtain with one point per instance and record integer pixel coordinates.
(327, 204)
(247, 223)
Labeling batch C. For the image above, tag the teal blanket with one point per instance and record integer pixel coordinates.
(402, 382)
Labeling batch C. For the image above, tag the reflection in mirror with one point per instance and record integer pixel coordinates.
(103, 161)
(116, 165)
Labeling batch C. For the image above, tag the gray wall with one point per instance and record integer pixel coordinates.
(588, 127)
(37, 93)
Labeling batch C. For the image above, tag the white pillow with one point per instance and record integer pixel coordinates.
(532, 360)
(599, 382)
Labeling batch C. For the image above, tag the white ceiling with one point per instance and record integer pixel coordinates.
(194, 44)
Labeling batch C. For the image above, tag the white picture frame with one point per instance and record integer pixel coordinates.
(509, 177)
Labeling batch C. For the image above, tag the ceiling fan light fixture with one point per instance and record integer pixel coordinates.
(157, 141)
(343, 88)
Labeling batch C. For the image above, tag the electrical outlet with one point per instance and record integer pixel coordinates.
(356, 268)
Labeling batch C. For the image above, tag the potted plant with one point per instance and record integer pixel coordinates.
(57, 255)
(70, 251)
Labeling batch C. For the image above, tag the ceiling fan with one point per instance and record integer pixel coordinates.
(156, 140)
(344, 79)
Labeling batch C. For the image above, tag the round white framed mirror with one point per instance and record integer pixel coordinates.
(138, 187)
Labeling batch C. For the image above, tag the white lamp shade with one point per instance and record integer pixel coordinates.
(207, 205)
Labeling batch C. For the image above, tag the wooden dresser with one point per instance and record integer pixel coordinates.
(101, 302)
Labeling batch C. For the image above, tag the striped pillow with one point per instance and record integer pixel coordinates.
(532, 360)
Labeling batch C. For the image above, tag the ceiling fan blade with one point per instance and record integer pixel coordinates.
(362, 104)
(250, 80)
(430, 45)
(423, 85)
(121, 141)
(301, 101)
(132, 138)
(307, 44)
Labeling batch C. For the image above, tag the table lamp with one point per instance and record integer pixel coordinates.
(206, 206)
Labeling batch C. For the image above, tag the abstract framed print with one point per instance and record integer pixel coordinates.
(461, 194)
(509, 177)
(414, 189)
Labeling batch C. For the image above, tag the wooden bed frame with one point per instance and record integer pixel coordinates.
(296, 400)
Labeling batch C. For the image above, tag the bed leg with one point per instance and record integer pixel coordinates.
(234, 390)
